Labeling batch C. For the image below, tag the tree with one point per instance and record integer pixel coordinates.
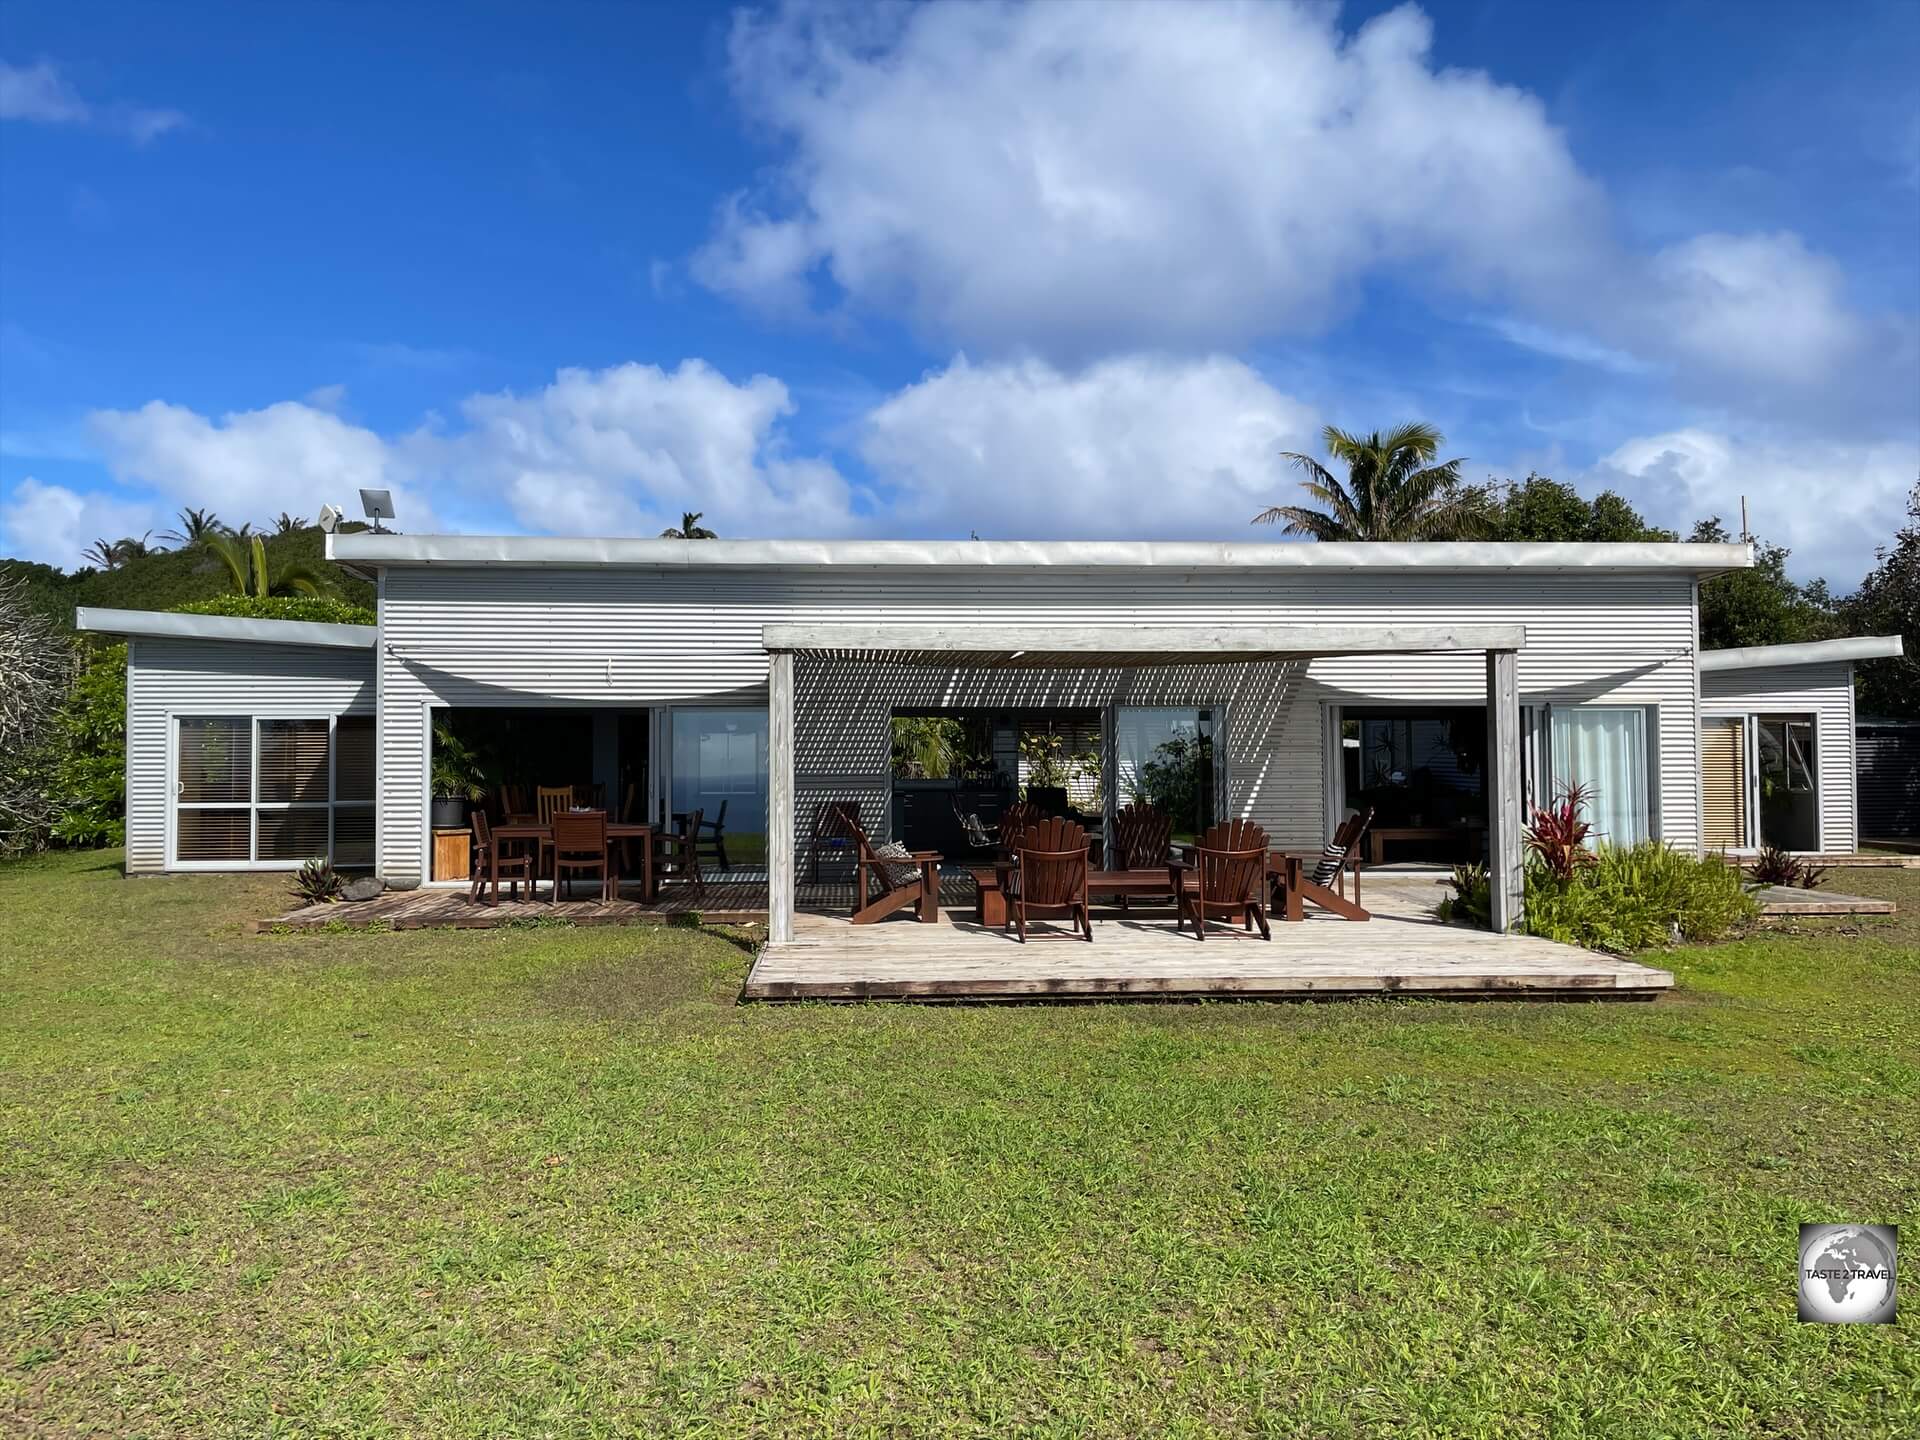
(112, 554)
(1760, 606)
(285, 524)
(1394, 490)
(690, 528)
(246, 563)
(1888, 603)
(195, 526)
(36, 672)
(90, 776)
(1548, 511)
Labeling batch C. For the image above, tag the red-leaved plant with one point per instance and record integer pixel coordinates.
(1558, 834)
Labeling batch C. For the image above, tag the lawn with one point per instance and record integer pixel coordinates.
(555, 1182)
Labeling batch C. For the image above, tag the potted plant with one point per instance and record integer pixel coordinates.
(458, 779)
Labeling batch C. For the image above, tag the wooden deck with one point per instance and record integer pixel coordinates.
(1788, 900)
(1403, 950)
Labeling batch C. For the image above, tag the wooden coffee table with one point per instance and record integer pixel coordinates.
(992, 882)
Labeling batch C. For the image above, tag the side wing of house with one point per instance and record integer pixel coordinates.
(1769, 705)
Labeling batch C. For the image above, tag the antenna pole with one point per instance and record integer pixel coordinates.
(1745, 533)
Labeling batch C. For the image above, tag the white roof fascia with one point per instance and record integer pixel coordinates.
(1171, 644)
(368, 548)
(165, 625)
(1813, 652)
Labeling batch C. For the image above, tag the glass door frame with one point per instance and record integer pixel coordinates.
(252, 806)
(1751, 721)
(660, 758)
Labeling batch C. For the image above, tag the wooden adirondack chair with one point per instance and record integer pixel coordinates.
(1330, 865)
(1143, 838)
(1227, 879)
(1052, 876)
(1016, 820)
(896, 890)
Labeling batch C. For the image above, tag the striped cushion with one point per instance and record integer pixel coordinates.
(1329, 866)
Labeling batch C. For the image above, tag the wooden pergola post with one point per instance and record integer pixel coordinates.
(781, 867)
(1504, 821)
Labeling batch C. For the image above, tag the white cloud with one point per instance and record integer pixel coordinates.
(1083, 180)
(252, 463)
(1830, 503)
(625, 450)
(39, 93)
(53, 525)
(1138, 445)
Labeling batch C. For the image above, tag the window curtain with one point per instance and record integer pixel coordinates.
(1606, 751)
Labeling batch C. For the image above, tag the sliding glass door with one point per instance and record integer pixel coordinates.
(719, 767)
(1604, 750)
(1165, 758)
(272, 792)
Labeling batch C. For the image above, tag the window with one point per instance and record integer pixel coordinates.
(1605, 750)
(273, 791)
(720, 769)
(1166, 759)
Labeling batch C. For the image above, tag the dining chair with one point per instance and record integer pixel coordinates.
(511, 867)
(680, 853)
(580, 844)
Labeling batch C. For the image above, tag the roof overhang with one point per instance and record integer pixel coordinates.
(165, 625)
(1814, 652)
(1068, 647)
(368, 549)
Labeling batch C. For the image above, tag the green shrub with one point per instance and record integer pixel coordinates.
(90, 776)
(1636, 897)
(317, 882)
(316, 609)
(1472, 898)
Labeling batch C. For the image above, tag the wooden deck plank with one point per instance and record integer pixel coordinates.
(1786, 900)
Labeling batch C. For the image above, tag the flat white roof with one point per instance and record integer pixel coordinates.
(369, 549)
(1813, 652)
(1067, 647)
(165, 625)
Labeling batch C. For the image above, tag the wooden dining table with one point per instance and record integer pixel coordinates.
(647, 835)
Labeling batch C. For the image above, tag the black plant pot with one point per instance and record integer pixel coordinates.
(449, 814)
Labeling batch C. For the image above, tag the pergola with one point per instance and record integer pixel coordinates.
(1069, 646)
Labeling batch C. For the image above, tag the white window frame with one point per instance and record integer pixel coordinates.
(253, 805)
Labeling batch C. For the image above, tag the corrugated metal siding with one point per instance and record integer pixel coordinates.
(1889, 781)
(218, 677)
(636, 637)
(1823, 691)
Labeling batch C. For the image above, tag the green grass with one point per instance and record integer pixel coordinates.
(555, 1182)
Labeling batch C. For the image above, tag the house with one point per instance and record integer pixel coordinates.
(1440, 685)
(1778, 746)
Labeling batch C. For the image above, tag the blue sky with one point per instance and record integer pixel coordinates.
(1019, 271)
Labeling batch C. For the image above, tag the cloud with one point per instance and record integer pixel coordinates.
(1079, 180)
(1831, 503)
(39, 94)
(1137, 445)
(625, 450)
(53, 525)
(252, 463)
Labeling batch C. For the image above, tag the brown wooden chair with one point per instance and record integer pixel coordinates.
(1142, 840)
(835, 823)
(580, 844)
(1227, 879)
(911, 878)
(513, 868)
(680, 854)
(1018, 818)
(591, 796)
(550, 800)
(1325, 884)
(710, 837)
(1050, 877)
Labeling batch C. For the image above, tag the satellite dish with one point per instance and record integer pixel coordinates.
(377, 505)
(330, 518)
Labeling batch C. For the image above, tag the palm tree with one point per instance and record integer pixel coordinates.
(1393, 490)
(195, 526)
(247, 571)
(690, 528)
(285, 524)
(112, 554)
